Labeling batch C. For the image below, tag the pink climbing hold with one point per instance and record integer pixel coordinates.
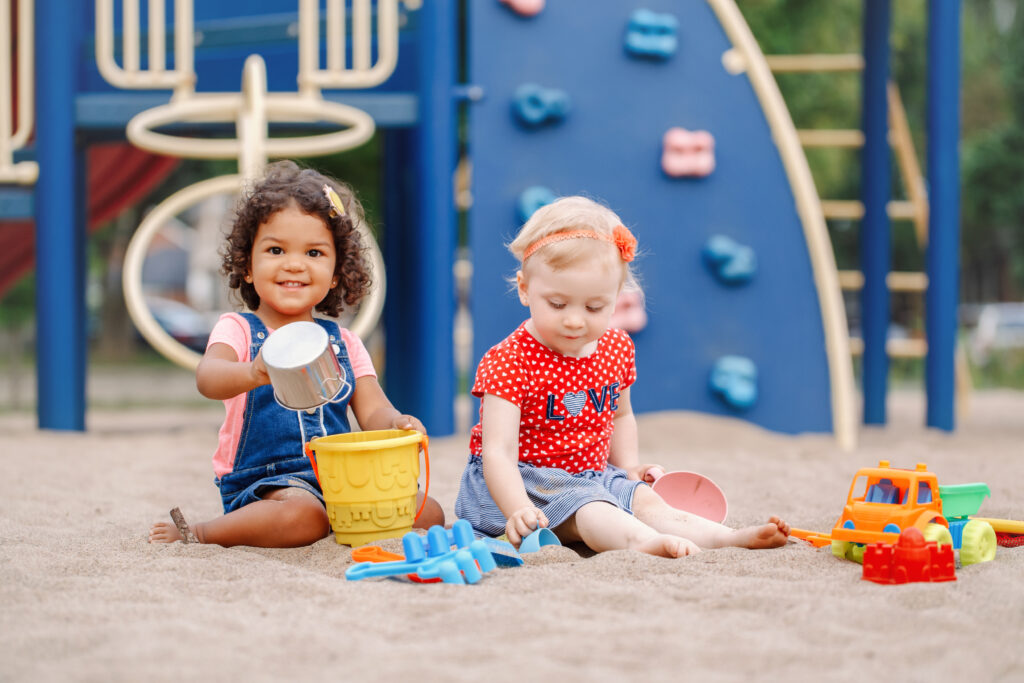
(525, 8)
(629, 314)
(688, 153)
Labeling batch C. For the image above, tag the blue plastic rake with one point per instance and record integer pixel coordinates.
(433, 557)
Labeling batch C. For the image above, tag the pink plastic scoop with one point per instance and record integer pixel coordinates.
(690, 492)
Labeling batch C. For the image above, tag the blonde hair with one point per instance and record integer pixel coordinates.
(567, 214)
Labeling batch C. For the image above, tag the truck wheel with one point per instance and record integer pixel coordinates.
(847, 550)
(856, 553)
(937, 533)
(979, 543)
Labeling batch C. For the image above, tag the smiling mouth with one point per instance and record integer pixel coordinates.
(291, 284)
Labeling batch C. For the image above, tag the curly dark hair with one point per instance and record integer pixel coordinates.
(285, 184)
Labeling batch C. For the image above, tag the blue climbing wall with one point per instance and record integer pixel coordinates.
(609, 146)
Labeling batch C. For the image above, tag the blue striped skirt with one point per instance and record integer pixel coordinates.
(554, 491)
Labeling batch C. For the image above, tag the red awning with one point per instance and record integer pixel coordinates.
(119, 176)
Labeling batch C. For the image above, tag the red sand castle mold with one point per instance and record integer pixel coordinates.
(911, 559)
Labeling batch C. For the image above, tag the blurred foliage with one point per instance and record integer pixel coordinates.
(17, 308)
(993, 168)
(1003, 369)
(992, 125)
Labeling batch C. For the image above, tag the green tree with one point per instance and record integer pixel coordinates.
(993, 167)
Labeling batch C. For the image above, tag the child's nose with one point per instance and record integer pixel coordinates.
(573, 321)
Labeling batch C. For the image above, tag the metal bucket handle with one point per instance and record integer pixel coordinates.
(344, 391)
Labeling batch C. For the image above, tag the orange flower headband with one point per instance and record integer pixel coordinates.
(621, 238)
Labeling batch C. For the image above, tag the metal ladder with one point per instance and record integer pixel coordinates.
(914, 208)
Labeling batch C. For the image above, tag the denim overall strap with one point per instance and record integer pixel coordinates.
(334, 415)
(270, 449)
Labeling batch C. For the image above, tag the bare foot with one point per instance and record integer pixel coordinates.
(666, 545)
(770, 535)
(162, 532)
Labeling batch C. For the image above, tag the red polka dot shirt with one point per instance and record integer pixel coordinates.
(567, 404)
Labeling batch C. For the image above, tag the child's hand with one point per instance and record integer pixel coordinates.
(524, 522)
(642, 472)
(408, 422)
(258, 370)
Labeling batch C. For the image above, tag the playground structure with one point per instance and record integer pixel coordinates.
(251, 111)
(737, 265)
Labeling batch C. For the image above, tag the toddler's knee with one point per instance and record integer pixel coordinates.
(432, 515)
(307, 520)
(646, 501)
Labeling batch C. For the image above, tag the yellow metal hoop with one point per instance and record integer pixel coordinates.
(227, 108)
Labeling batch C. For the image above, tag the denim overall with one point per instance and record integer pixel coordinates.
(270, 450)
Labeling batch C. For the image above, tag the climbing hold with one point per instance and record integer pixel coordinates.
(535, 106)
(629, 313)
(651, 35)
(729, 261)
(688, 153)
(734, 381)
(525, 8)
(531, 199)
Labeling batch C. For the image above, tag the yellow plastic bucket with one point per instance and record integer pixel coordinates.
(369, 482)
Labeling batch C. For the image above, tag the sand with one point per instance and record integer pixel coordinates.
(84, 597)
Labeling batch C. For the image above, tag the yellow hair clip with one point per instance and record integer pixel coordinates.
(337, 208)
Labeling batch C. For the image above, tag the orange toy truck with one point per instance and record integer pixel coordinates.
(884, 500)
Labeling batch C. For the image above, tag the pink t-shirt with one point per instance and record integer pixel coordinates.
(567, 405)
(233, 330)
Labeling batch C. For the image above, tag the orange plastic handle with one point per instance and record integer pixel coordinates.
(312, 459)
(426, 459)
(373, 553)
(813, 537)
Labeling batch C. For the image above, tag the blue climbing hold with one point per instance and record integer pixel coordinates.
(734, 381)
(729, 261)
(651, 35)
(531, 199)
(535, 106)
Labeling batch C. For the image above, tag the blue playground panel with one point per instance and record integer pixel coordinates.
(608, 146)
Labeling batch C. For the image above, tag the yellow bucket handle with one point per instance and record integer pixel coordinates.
(424, 441)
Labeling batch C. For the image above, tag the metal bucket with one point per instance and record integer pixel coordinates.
(303, 367)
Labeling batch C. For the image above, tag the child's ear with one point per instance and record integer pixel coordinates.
(521, 288)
